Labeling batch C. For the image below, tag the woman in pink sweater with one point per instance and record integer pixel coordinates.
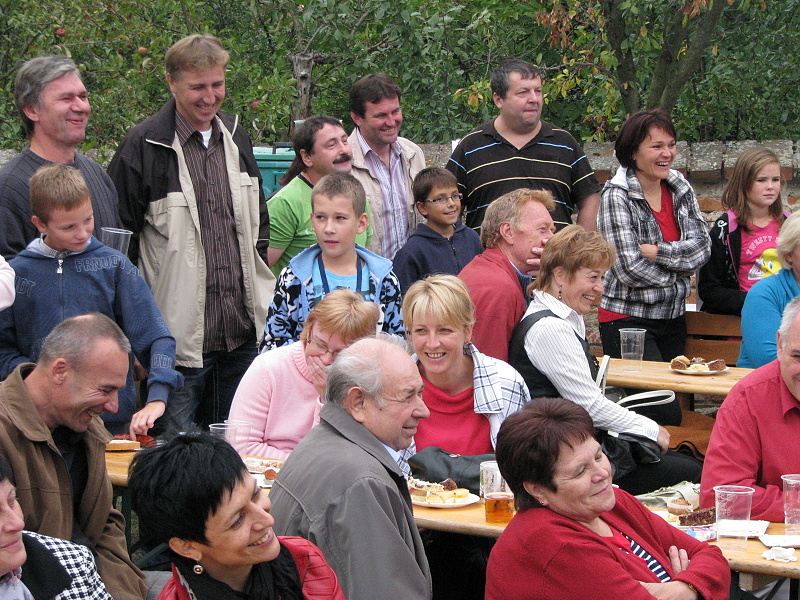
(280, 394)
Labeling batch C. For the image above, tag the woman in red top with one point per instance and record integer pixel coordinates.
(468, 393)
(649, 213)
(575, 535)
(195, 494)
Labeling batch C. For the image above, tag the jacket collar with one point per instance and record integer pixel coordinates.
(303, 263)
(341, 421)
(161, 126)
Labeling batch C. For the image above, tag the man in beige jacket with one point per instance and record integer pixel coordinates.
(384, 162)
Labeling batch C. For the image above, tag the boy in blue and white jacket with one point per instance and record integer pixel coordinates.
(67, 273)
(338, 214)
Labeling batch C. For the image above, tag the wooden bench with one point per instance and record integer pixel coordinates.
(710, 336)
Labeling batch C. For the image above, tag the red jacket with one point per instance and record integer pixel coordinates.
(316, 577)
(545, 556)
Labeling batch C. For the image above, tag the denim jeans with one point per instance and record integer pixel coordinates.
(208, 391)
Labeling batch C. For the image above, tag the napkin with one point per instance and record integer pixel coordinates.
(780, 554)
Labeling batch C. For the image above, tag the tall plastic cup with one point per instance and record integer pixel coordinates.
(632, 346)
(733, 515)
(235, 433)
(791, 504)
(118, 239)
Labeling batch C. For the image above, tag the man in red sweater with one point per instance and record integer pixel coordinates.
(751, 441)
(515, 229)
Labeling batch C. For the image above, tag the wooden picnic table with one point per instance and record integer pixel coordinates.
(658, 376)
(749, 568)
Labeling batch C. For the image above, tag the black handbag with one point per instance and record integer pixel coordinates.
(627, 450)
(435, 465)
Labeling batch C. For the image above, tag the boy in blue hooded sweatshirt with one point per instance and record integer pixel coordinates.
(66, 273)
(338, 214)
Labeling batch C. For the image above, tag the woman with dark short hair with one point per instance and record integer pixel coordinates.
(649, 213)
(195, 495)
(577, 536)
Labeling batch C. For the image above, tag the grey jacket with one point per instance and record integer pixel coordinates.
(341, 490)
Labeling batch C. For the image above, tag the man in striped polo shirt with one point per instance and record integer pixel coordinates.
(518, 149)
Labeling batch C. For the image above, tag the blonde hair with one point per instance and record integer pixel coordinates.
(56, 186)
(737, 191)
(195, 52)
(788, 238)
(441, 297)
(345, 313)
(573, 248)
(508, 209)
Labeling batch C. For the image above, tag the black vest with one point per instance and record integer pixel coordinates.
(538, 384)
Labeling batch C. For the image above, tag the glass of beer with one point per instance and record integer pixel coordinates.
(498, 499)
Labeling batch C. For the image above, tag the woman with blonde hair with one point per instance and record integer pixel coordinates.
(280, 395)
(550, 349)
(743, 238)
(468, 393)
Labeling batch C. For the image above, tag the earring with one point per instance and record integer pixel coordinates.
(466, 348)
(198, 569)
(559, 292)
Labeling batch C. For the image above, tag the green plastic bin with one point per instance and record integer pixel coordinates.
(273, 163)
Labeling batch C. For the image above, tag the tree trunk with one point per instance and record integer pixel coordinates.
(302, 64)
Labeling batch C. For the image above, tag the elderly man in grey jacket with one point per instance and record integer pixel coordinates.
(341, 487)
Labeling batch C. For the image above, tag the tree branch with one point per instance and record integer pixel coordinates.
(692, 59)
(625, 71)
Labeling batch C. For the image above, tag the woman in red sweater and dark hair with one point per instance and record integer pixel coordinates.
(569, 514)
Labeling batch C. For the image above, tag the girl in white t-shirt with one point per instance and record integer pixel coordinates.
(743, 238)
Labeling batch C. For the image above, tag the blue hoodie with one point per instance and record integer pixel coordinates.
(761, 318)
(53, 286)
(294, 296)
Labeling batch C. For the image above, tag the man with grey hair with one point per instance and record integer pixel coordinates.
(515, 229)
(54, 441)
(752, 442)
(54, 107)
(341, 487)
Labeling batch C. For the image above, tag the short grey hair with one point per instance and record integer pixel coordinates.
(355, 367)
(31, 79)
(788, 238)
(73, 339)
(789, 315)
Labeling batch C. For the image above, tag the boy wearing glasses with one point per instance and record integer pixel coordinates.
(443, 244)
(338, 215)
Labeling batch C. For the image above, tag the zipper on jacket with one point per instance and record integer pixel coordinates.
(60, 264)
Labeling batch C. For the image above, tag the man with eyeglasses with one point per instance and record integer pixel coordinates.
(443, 244)
(518, 149)
(384, 162)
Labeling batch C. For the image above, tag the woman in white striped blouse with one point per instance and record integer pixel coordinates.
(550, 350)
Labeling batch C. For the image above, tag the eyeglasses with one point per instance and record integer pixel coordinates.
(455, 198)
(322, 347)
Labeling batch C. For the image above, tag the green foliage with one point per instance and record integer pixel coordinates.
(597, 62)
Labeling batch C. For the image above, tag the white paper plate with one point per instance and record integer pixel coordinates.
(471, 499)
(687, 372)
(784, 541)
